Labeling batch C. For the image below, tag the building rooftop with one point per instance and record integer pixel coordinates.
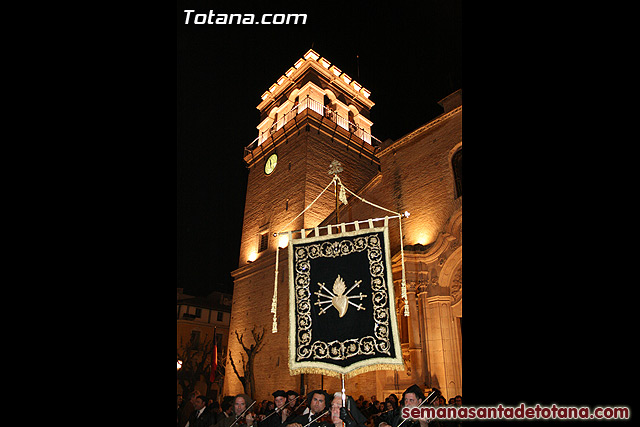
(216, 301)
(312, 59)
(317, 90)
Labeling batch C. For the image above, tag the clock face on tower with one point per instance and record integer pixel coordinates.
(271, 163)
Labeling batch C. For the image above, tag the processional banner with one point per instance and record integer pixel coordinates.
(342, 317)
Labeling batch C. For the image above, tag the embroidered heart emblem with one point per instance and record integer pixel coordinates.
(340, 303)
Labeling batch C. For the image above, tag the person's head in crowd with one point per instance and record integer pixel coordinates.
(279, 398)
(352, 410)
(394, 398)
(388, 404)
(412, 396)
(199, 403)
(240, 403)
(317, 401)
(458, 400)
(291, 398)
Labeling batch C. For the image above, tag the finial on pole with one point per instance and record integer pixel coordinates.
(335, 168)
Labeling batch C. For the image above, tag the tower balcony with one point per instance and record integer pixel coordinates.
(309, 111)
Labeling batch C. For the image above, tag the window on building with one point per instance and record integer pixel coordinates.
(198, 313)
(456, 164)
(219, 318)
(264, 242)
(195, 337)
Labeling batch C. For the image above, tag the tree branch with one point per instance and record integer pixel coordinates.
(239, 337)
(234, 367)
(259, 339)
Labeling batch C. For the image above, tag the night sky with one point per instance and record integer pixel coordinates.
(408, 58)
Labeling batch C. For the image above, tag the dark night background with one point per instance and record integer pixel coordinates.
(408, 58)
(546, 308)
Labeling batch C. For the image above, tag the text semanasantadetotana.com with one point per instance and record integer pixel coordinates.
(522, 412)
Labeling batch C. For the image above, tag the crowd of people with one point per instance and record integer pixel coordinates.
(316, 409)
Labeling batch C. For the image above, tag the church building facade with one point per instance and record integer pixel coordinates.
(315, 114)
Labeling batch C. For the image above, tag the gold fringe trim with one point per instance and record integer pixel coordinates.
(377, 364)
(358, 371)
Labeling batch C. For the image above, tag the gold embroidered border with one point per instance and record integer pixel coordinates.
(295, 303)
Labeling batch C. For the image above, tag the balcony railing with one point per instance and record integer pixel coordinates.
(323, 111)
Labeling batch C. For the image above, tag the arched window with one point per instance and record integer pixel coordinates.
(352, 125)
(328, 110)
(456, 164)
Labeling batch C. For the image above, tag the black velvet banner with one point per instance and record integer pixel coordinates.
(342, 308)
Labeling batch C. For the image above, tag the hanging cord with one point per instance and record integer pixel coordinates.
(354, 194)
(403, 287)
(310, 204)
(343, 199)
(403, 284)
(274, 299)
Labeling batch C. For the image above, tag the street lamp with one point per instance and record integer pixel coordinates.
(179, 364)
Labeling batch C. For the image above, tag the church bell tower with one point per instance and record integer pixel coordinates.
(313, 114)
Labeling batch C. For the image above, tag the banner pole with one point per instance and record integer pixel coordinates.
(334, 169)
(337, 201)
(344, 397)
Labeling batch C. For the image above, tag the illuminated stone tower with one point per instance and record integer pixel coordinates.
(315, 114)
(312, 115)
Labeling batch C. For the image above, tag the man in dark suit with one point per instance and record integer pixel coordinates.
(282, 411)
(200, 417)
(349, 416)
(295, 404)
(241, 404)
(317, 401)
(412, 398)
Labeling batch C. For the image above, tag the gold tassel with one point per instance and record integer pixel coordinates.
(341, 193)
(403, 286)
